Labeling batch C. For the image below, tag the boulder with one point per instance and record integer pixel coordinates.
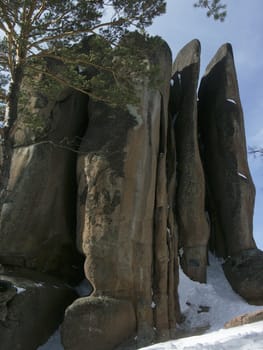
(37, 218)
(230, 188)
(244, 271)
(190, 194)
(32, 306)
(123, 204)
(250, 317)
(100, 323)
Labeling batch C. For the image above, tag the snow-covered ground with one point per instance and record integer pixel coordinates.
(222, 304)
(208, 306)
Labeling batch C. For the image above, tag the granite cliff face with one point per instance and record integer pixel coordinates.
(126, 226)
(123, 196)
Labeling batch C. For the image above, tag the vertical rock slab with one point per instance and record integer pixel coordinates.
(37, 220)
(230, 187)
(123, 206)
(190, 196)
(230, 184)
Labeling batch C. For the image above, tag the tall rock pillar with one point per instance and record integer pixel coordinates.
(190, 196)
(231, 191)
(230, 184)
(125, 227)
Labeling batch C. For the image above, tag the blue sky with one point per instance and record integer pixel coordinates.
(243, 28)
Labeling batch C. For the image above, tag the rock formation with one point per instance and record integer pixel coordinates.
(120, 191)
(231, 191)
(37, 221)
(230, 187)
(247, 318)
(190, 195)
(31, 307)
(125, 222)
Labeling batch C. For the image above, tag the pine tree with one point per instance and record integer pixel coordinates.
(215, 8)
(37, 30)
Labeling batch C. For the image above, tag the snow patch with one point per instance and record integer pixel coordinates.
(53, 343)
(20, 290)
(179, 78)
(242, 175)
(231, 100)
(213, 303)
(246, 337)
(40, 284)
(84, 288)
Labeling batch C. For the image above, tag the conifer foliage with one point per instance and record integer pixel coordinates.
(33, 31)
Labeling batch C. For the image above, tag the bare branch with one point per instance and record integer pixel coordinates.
(60, 145)
(73, 33)
(40, 11)
(3, 96)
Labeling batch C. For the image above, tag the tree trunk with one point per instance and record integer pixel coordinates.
(13, 97)
(7, 144)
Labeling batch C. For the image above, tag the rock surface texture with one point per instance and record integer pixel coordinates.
(108, 322)
(230, 188)
(31, 308)
(39, 209)
(126, 227)
(244, 272)
(190, 196)
(231, 191)
(114, 193)
(245, 319)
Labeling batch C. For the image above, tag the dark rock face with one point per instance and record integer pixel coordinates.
(39, 209)
(230, 187)
(31, 308)
(108, 322)
(190, 195)
(244, 272)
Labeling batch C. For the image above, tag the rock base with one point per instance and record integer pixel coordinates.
(97, 323)
(244, 272)
(31, 308)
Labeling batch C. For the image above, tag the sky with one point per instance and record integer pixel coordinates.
(243, 28)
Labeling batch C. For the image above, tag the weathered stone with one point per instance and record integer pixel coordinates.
(123, 205)
(230, 187)
(244, 271)
(190, 195)
(31, 308)
(245, 319)
(98, 323)
(37, 221)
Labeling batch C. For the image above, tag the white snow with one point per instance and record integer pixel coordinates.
(248, 337)
(84, 288)
(20, 290)
(179, 78)
(242, 175)
(222, 304)
(53, 343)
(206, 305)
(40, 284)
(231, 100)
